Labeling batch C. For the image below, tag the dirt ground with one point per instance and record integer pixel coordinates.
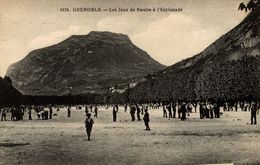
(63, 140)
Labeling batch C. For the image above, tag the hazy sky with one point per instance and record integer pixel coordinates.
(26, 25)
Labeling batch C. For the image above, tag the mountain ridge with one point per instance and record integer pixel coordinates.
(224, 41)
(95, 60)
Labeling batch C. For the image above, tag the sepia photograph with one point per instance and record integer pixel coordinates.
(129, 82)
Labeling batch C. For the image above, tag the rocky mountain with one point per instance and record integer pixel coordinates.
(227, 69)
(81, 64)
(242, 40)
(8, 94)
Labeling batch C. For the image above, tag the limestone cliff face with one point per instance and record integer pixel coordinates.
(81, 64)
(242, 40)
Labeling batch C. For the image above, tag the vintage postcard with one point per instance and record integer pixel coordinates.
(129, 82)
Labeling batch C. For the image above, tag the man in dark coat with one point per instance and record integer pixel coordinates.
(30, 113)
(69, 111)
(115, 110)
(146, 120)
(216, 110)
(169, 108)
(3, 117)
(183, 111)
(88, 125)
(51, 112)
(132, 112)
(138, 112)
(174, 110)
(12, 114)
(42, 113)
(253, 113)
(125, 107)
(206, 111)
(95, 112)
(91, 108)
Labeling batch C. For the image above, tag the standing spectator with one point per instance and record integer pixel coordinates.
(216, 110)
(95, 111)
(12, 114)
(132, 112)
(146, 120)
(88, 125)
(3, 117)
(210, 109)
(138, 112)
(38, 113)
(201, 110)
(125, 107)
(169, 108)
(174, 109)
(51, 112)
(142, 110)
(46, 114)
(179, 110)
(241, 105)
(115, 110)
(253, 113)
(164, 112)
(206, 110)
(183, 111)
(30, 113)
(146, 108)
(246, 106)
(225, 106)
(236, 105)
(42, 113)
(69, 111)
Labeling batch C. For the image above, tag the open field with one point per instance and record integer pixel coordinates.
(63, 140)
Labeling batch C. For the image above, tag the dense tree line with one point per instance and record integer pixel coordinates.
(231, 80)
(169, 87)
(13, 99)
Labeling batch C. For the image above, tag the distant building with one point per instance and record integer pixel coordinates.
(120, 88)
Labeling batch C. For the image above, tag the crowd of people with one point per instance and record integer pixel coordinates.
(178, 110)
(16, 113)
(206, 110)
(19, 112)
